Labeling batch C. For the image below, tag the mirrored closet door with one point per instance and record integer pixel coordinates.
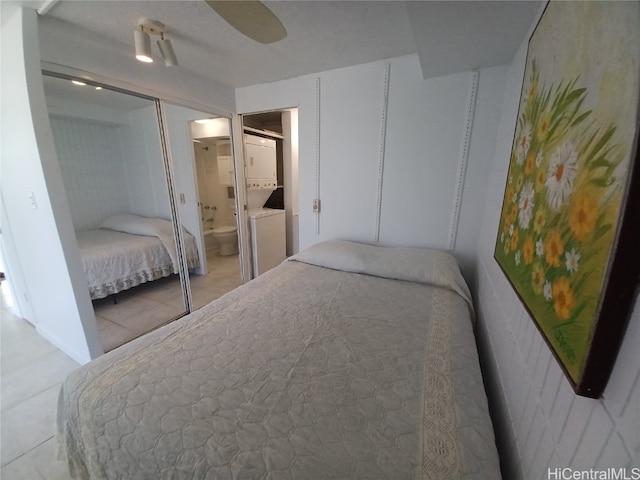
(115, 173)
(203, 170)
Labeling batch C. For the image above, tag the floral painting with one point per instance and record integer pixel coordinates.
(569, 169)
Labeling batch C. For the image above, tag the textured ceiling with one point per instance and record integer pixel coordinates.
(449, 36)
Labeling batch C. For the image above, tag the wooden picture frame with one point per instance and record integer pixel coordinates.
(569, 233)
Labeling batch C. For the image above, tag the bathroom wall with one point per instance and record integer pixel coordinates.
(540, 422)
(211, 192)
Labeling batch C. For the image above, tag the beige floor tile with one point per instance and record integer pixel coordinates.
(114, 335)
(28, 424)
(21, 468)
(35, 377)
(153, 316)
(10, 448)
(169, 295)
(126, 308)
(22, 345)
(202, 297)
(44, 458)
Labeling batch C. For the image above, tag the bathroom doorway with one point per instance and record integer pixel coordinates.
(216, 201)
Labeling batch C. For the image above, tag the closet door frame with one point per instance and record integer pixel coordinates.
(159, 101)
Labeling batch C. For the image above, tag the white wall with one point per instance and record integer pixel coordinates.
(540, 422)
(422, 147)
(110, 168)
(91, 160)
(144, 165)
(51, 280)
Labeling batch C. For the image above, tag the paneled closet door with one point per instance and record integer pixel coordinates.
(109, 144)
(202, 162)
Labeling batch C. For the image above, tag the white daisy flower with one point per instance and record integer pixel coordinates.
(539, 159)
(518, 258)
(572, 259)
(539, 247)
(563, 167)
(526, 205)
(547, 290)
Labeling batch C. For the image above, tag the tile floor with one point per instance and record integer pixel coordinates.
(32, 369)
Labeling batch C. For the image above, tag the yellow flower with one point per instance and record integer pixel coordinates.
(541, 180)
(514, 239)
(509, 194)
(532, 89)
(539, 219)
(553, 248)
(513, 214)
(543, 126)
(583, 213)
(537, 279)
(530, 163)
(563, 298)
(528, 250)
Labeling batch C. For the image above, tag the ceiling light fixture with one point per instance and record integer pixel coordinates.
(143, 42)
(143, 46)
(166, 50)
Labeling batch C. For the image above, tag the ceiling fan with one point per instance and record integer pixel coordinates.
(252, 18)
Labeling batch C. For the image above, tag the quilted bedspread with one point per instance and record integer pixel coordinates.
(307, 372)
(114, 261)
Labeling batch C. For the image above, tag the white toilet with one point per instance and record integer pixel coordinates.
(227, 238)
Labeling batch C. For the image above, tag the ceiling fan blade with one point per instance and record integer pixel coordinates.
(251, 18)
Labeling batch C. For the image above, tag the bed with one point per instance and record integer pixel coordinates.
(127, 250)
(346, 361)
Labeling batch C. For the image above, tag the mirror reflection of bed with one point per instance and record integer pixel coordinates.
(111, 161)
(141, 309)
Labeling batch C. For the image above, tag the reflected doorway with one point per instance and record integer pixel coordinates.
(217, 207)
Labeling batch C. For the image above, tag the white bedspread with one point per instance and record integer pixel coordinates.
(122, 255)
(306, 372)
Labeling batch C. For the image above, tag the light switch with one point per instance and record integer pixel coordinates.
(182, 199)
(316, 205)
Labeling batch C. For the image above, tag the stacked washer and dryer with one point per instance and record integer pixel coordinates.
(267, 225)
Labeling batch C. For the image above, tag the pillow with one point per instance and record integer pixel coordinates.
(419, 265)
(121, 223)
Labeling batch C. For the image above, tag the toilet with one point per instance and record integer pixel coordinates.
(227, 238)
